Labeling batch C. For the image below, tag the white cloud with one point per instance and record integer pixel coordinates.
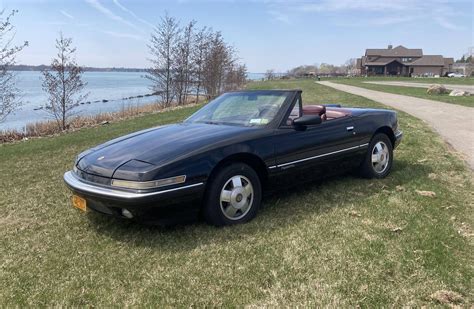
(391, 20)
(279, 16)
(374, 12)
(443, 22)
(446, 17)
(347, 5)
(123, 8)
(378, 21)
(66, 14)
(62, 23)
(123, 35)
(54, 23)
(99, 7)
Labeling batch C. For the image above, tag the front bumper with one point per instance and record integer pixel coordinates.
(111, 201)
(398, 138)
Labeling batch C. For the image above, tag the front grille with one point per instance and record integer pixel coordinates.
(93, 178)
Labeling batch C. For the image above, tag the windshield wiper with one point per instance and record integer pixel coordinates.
(221, 123)
(210, 122)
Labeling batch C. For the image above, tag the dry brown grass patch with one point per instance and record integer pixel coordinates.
(51, 128)
(447, 297)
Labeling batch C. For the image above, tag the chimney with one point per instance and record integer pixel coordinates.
(390, 46)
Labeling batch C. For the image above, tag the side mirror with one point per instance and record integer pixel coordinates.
(307, 120)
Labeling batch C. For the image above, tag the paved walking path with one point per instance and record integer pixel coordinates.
(468, 88)
(455, 123)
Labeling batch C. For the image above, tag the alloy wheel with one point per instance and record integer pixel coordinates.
(236, 197)
(380, 157)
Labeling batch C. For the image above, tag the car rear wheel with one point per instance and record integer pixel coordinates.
(379, 157)
(233, 196)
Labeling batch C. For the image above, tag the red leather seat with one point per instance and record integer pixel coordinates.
(329, 113)
(334, 114)
(315, 110)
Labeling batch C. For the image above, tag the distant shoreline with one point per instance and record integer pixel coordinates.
(38, 68)
(23, 67)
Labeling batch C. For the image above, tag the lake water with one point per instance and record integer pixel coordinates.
(110, 86)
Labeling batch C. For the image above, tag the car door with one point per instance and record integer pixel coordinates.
(315, 150)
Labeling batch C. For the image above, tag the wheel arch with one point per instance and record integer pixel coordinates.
(387, 131)
(250, 159)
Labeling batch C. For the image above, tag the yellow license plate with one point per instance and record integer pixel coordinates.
(79, 203)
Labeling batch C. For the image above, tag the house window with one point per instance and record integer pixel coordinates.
(406, 59)
(377, 70)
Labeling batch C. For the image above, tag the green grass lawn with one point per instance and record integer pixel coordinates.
(343, 242)
(412, 91)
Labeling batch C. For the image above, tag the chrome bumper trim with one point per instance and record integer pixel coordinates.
(75, 183)
(398, 139)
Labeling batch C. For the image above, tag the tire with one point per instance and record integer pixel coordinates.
(233, 196)
(376, 164)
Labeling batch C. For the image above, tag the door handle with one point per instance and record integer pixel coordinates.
(351, 128)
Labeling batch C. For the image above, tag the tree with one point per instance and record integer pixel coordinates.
(218, 60)
(199, 53)
(182, 58)
(9, 93)
(63, 83)
(303, 70)
(235, 77)
(270, 74)
(182, 64)
(163, 45)
(462, 60)
(350, 66)
(327, 69)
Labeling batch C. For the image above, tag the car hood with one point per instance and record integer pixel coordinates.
(155, 147)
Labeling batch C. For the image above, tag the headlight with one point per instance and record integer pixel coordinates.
(148, 184)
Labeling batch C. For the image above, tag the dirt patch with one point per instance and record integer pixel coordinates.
(426, 193)
(447, 297)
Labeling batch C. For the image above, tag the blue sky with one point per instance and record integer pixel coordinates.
(268, 34)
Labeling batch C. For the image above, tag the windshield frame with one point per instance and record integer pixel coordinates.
(274, 123)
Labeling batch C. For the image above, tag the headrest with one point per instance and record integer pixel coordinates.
(314, 110)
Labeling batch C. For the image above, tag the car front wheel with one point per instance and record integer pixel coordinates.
(379, 157)
(233, 195)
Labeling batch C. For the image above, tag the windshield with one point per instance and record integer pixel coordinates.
(241, 108)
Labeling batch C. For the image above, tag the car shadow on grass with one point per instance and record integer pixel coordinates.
(279, 211)
(275, 213)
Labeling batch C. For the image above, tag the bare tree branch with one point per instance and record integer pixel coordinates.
(63, 83)
(162, 46)
(182, 62)
(9, 93)
(200, 51)
(270, 74)
(182, 58)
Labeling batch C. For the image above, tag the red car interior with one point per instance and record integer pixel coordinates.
(326, 113)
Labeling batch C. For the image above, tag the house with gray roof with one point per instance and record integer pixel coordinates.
(402, 61)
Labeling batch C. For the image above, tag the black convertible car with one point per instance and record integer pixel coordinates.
(219, 161)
